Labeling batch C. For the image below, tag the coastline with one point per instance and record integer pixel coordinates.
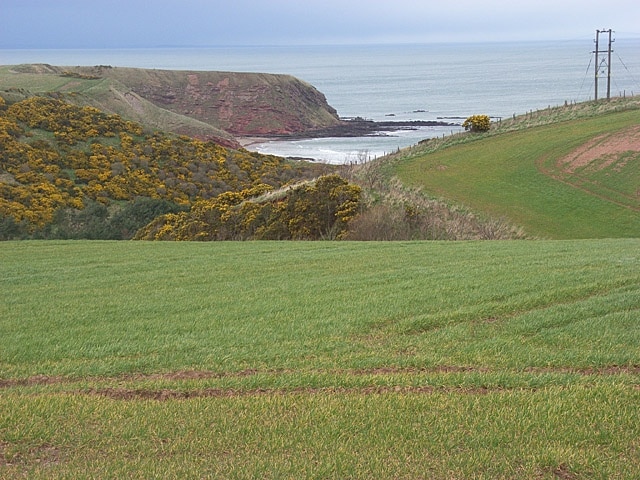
(246, 142)
(347, 128)
(346, 145)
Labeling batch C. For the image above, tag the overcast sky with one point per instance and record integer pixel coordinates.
(151, 23)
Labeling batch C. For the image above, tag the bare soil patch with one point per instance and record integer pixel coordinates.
(43, 455)
(563, 472)
(602, 152)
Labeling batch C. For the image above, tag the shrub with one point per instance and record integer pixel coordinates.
(316, 210)
(477, 123)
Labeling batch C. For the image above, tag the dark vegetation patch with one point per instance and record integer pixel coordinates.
(172, 394)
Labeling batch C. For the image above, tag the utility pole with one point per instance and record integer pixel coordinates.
(600, 64)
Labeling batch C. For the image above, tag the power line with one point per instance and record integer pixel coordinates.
(586, 73)
(635, 81)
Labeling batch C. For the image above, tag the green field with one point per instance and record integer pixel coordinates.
(515, 359)
(514, 176)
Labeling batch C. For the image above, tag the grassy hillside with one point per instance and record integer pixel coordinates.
(523, 172)
(320, 360)
(108, 95)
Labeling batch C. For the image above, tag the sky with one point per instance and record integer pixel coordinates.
(159, 23)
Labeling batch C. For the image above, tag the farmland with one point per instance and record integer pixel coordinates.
(567, 173)
(507, 359)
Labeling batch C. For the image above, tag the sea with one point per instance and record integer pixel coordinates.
(445, 82)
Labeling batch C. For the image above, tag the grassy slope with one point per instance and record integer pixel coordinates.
(108, 95)
(320, 360)
(113, 97)
(502, 176)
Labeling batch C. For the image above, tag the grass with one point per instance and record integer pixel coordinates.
(440, 435)
(511, 176)
(320, 360)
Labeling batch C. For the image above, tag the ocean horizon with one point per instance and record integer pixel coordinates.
(399, 82)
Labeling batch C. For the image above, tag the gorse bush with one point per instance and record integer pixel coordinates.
(321, 209)
(70, 124)
(477, 123)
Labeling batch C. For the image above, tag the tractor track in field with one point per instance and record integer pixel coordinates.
(131, 392)
(170, 394)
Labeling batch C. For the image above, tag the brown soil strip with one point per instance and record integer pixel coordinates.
(168, 394)
(597, 371)
(562, 472)
(42, 455)
(35, 380)
(178, 375)
(380, 371)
